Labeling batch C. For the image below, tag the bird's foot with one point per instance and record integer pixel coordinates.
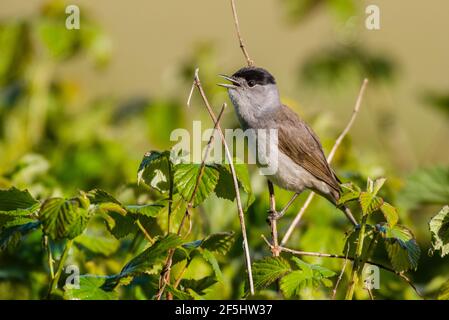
(274, 215)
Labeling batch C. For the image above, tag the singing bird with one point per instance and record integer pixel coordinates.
(301, 163)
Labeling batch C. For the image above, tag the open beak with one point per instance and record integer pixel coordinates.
(234, 82)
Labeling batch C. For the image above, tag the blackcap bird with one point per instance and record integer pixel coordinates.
(301, 163)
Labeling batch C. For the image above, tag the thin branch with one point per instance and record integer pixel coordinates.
(334, 291)
(50, 260)
(239, 36)
(272, 220)
(337, 143)
(165, 274)
(144, 231)
(235, 181)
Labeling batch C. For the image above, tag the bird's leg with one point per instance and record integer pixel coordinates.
(272, 213)
(272, 219)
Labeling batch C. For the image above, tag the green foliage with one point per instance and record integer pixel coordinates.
(443, 294)
(426, 186)
(402, 248)
(63, 218)
(268, 270)
(307, 276)
(439, 230)
(90, 288)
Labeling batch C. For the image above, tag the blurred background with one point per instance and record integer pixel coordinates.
(78, 109)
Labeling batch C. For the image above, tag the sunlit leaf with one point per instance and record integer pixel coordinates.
(185, 179)
(97, 244)
(390, 213)
(154, 170)
(350, 192)
(439, 230)
(212, 260)
(369, 202)
(90, 288)
(402, 247)
(443, 293)
(268, 270)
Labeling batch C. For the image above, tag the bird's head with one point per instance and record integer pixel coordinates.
(252, 88)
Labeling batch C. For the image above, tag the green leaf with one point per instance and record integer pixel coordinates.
(178, 294)
(426, 186)
(90, 288)
(370, 202)
(309, 275)
(390, 213)
(350, 192)
(210, 258)
(154, 170)
(97, 244)
(14, 202)
(402, 248)
(98, 196)
(12, 235)
(443, 293)
(268, 270)
(218, 242)
(199, 286)
(150, 260)
(377, 184)
(225, 187)
(185, 178)
(63, 218)
(439, 230)
(149, 210)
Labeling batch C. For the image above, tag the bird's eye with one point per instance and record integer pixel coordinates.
(251, 83)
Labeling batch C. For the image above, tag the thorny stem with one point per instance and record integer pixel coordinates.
(54, 281)
(337, 143)
(50, 260)
(358, 260)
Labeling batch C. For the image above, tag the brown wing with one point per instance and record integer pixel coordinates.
(299, 142)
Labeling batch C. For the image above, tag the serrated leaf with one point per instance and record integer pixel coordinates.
(350, 192)
(151, 258)
(14, 202)
(63, 218)
(120, 225)
(268, 270)
(90, 288)
(439, 230)
(309, 275)
(401, 247)
(218, 242)
(12, 235)
(225, 187)
(149, 210)
(185, 178)
(97, 244)
(210, 258)
(97, 196)
(199, 286)
(369, 202)
(377, 184)
(154, 170)
(178, 294)
(390, 213)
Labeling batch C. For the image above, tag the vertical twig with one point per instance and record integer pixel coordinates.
(239, 36)
(165, 274)
(273, 221)
(235, 181)
(55, 280)
(337, 143)
(50, 260)
(334, 291)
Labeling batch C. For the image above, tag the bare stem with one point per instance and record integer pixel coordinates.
(235, 181)
(165, 274)
(334, 291)
(55, 280)
(50, 260)
(239, 36)
(272, 220)
(337, 143)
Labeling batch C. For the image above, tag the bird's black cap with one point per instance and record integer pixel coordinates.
(259, 75)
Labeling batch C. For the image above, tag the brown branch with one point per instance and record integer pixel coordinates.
(239, 36)
(334, 291)
(235, 181)
(273, 221)
(337, 143)
(165, 274)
